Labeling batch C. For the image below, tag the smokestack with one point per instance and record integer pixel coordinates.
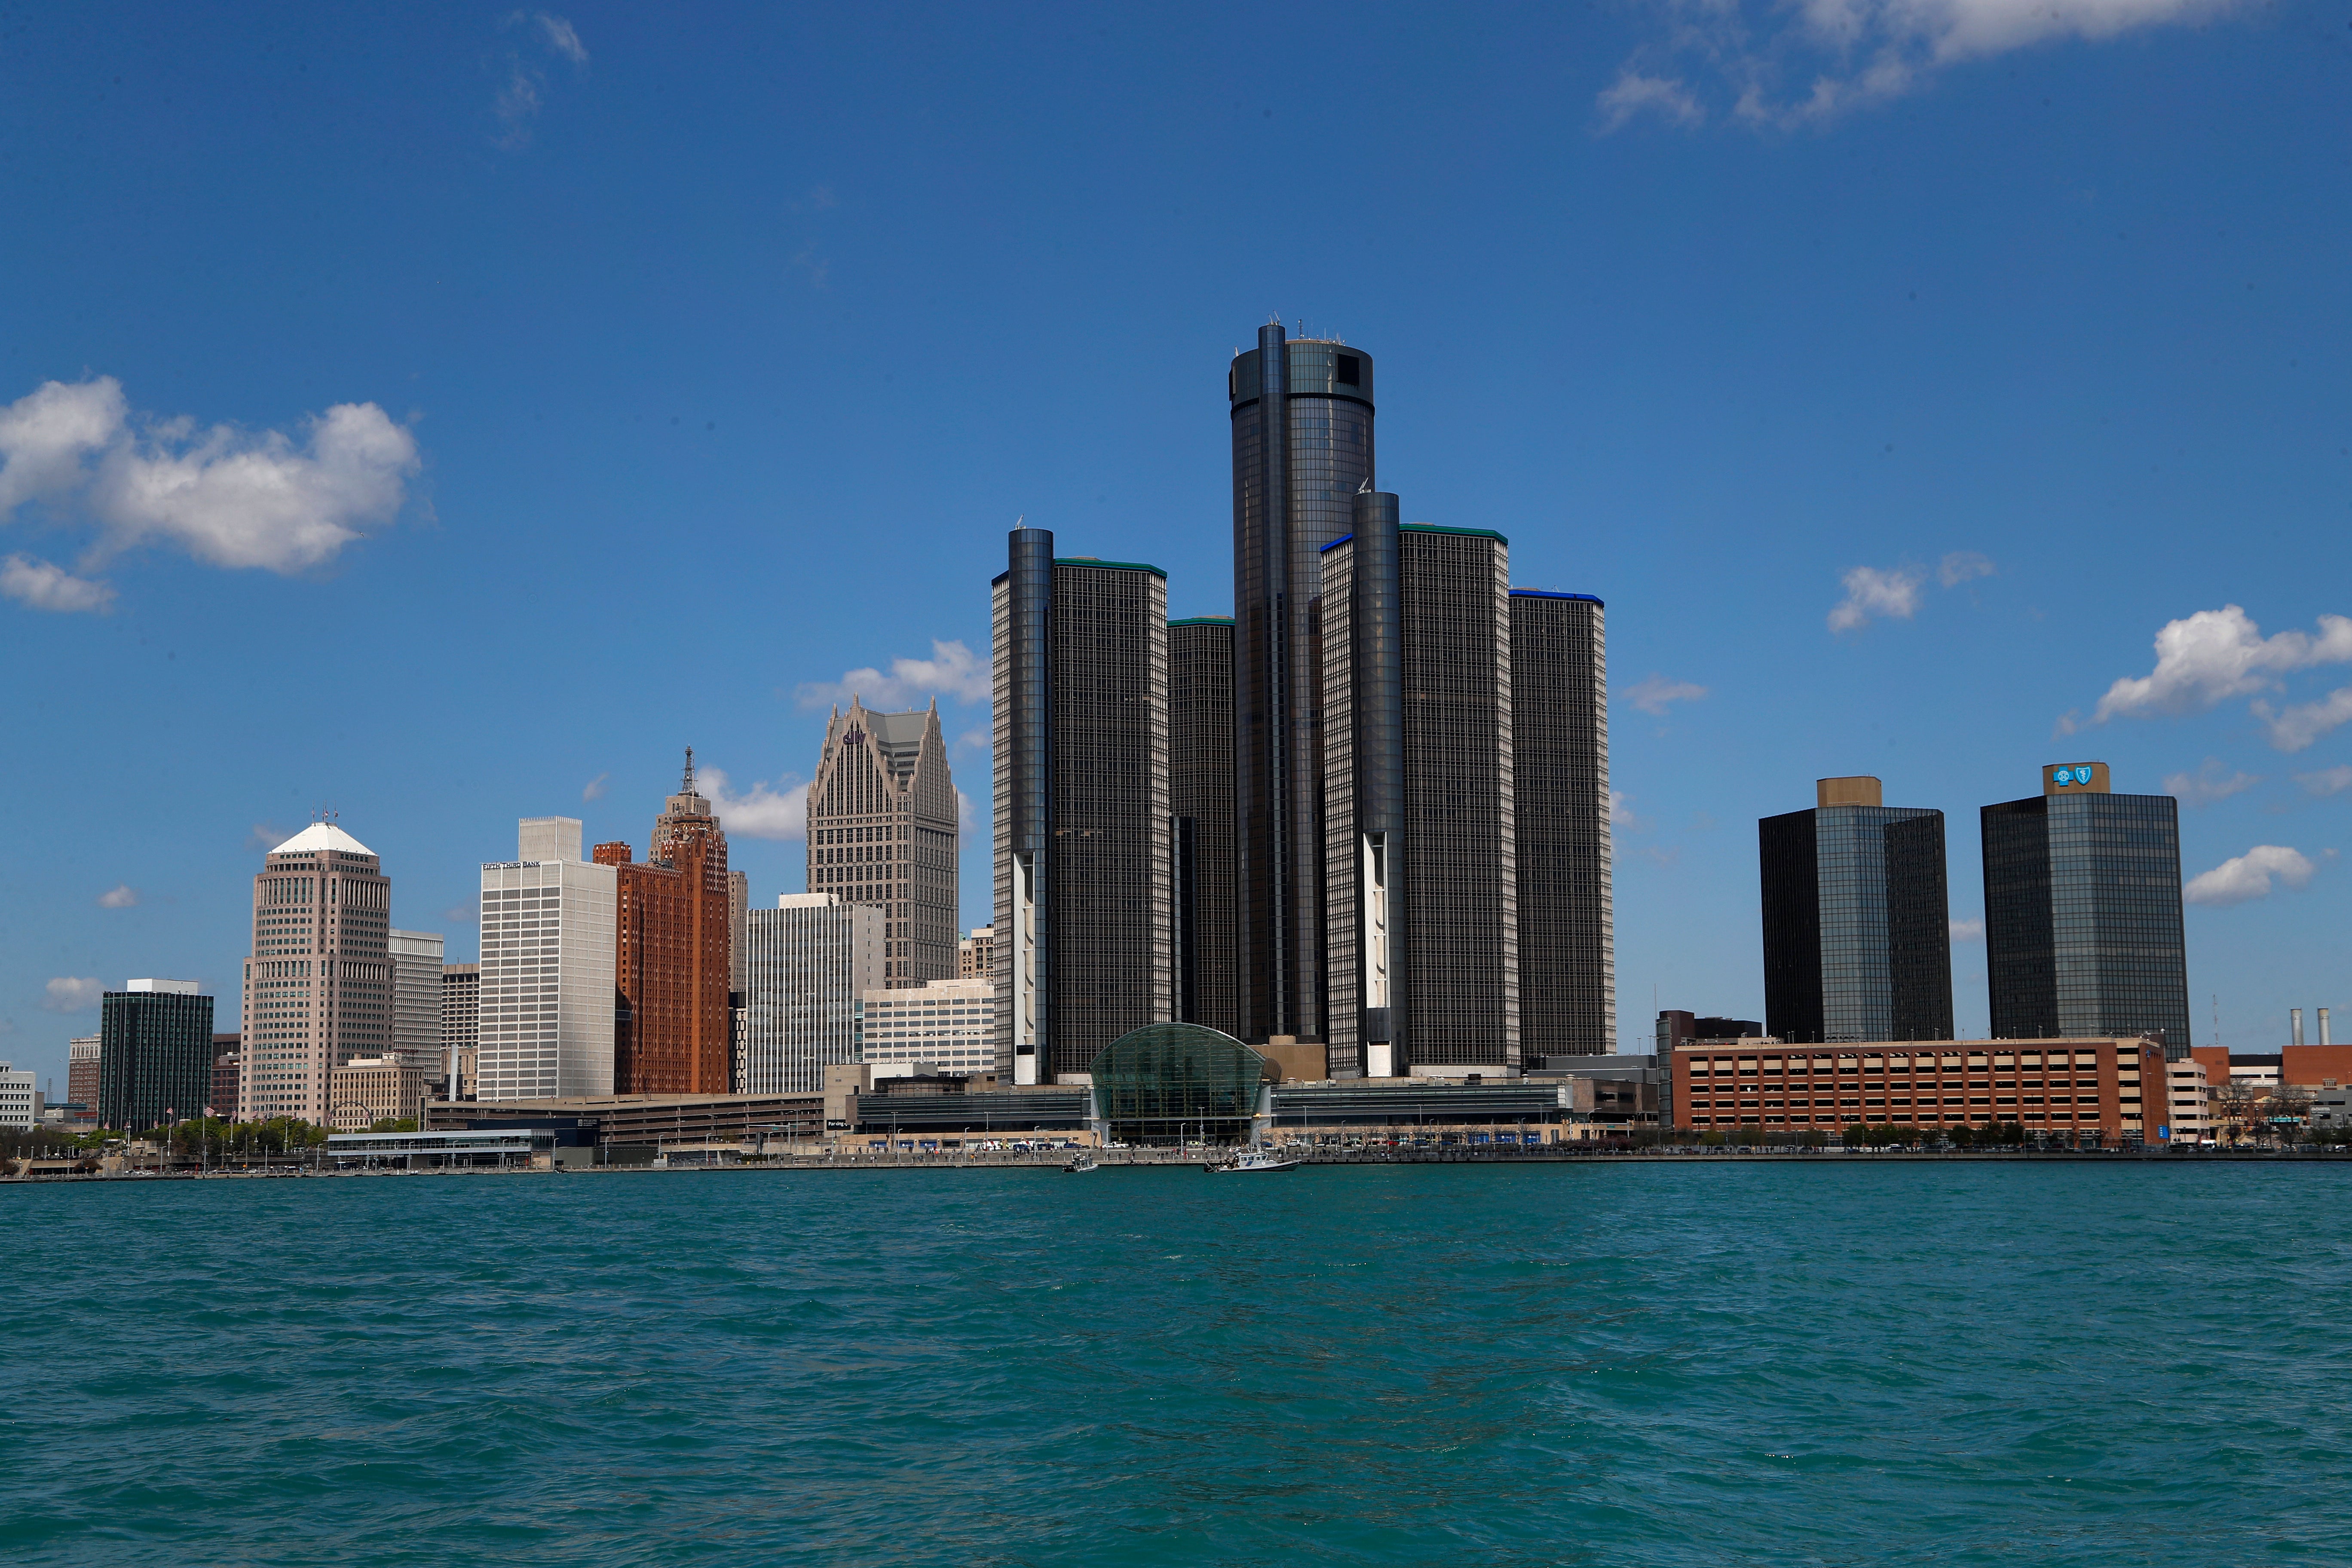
(2296, 1014)
(2323, 1027)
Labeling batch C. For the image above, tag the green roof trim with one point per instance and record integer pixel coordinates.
(1465, 532)
(1203, 621)
(1113, 565)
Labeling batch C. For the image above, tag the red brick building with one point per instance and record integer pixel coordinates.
(2115, 1088)
(672, 949)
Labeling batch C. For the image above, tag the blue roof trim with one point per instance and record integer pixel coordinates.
(1334, 544)
(1548, 593)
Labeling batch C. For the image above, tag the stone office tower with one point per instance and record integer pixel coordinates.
(1302, 433)
(1084, 896)
(1201, 797)
(1560, 783)
(1857, 919)
(673, 953)
(318, 990)
(882, 830)
(1419, 846)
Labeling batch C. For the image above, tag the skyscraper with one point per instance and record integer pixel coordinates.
(882, 830)
(81, 1070)
(2082, 929)
(155, 1055)
(1085, 900)
(1302, 434)
(547, 1001)
(417, 964)
(461, 1022)
(318, 986)
(1560, 787)
(806, 963)
(1857, 923)
(1414, 624)
(1201, 797)
(672, 1031)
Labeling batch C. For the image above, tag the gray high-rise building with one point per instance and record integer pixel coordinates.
(1420, 848)
(1201, 797)
(416, 967)
(1560, 783)
(883, 829)
(806, 964)
(1857, 920)
(1085, 897)
(2083, 927)
(155, 1055)
(1302, 434)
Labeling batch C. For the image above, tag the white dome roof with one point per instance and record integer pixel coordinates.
(322, 836)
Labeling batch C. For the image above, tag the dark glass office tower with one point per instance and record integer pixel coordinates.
(1201, 797)
(1559, 802)
(1084, 894)
(1857, 919)
(2082, 929)
(1302, 424)
(154, 1055)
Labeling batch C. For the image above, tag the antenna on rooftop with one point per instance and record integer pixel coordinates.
(687, 787)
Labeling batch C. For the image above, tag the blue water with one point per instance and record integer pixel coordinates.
(1626, 1363)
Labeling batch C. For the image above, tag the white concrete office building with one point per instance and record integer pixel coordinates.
(20, 1102)
(544, 1024)
(807, 964)
(946, 1025)
(416, 998)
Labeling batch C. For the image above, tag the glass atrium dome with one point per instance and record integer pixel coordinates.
(1163, 1082)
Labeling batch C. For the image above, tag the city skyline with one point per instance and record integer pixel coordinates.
(1885, 459)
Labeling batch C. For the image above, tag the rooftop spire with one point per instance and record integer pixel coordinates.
(687, 787)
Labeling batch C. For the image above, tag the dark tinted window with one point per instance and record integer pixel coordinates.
(1351, 369)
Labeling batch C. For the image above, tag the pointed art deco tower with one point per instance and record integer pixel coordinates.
(882, 830)
(673, 953)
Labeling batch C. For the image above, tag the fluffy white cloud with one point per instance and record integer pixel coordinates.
(2248, 876)
(2209, 784)
(953, 670)
(1652, 695)
(43, 586)
(1788, 64)
(122, 896)
(1621, 812)
(2296, 726)
(1961, 566)
(67, 995)
(1893, 594)
(763, 811)
(1967, 931)
(2215, 655)
(2327, 780)
(233, 497)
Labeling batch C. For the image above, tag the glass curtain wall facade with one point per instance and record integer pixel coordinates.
(1302, 434)
(1201, 798)
(1559, 802)
(1084, 884)
(807, 964)
(155, 1056)
(2083, 935)
(1168, 1081)
(1857, 930)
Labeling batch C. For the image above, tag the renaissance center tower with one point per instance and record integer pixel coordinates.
(1302, 422)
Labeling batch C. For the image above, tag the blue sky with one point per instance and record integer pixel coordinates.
(448, 416)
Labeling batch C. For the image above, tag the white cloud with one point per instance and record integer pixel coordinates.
(230, 497)
(1632, 93)
(460, 915)
(266, 836)
(563, 38)
(2209, 784)
(2298, 725)
(1621, 812)
(1961, 566)
(979, 741)
(67, 994)
(1893, 594)
(1967, 931)
(764, 811)
(1788, 64)
(42, 586)
(594, 788)
(122, 896)
(953, 670)
(517, 106)
(2327, 780)
(2215, 655)
(969, 817)
(1652, 695)
(2248, 876)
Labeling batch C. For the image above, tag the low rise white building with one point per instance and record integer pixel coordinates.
(945, 1025)
(20, 1102)
(2192, 1104)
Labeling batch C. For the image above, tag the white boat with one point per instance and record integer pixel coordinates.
(1247, 1162)
(1080, 1164)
